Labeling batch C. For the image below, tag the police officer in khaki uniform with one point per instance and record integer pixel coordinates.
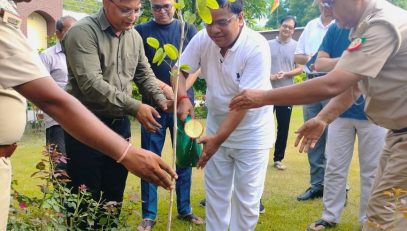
(22, 70)
(376, 60)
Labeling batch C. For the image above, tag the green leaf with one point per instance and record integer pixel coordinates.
(161, 60)
(158, 55)
(213, 4)
(179, 5)
(171, 51)
(189, 17)
(185, 67)
(205, 15)
(153, 42)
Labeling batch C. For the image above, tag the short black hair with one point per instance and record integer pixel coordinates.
(59, 25)
(235, 7)
(289, 17)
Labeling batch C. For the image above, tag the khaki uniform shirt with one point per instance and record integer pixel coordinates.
(19, 64)
(382, 61)
(101, 67)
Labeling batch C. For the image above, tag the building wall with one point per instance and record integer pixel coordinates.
(50, 10)
(271, 34)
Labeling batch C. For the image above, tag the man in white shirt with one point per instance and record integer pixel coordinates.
(236, 147)
(307, 47)
(55, 62)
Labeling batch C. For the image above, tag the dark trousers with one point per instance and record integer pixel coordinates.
(283, 116)
(98, 172)
(54, 139)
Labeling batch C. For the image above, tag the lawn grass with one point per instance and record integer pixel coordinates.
(283, 211)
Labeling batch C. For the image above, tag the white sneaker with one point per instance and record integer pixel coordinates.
(280, 166)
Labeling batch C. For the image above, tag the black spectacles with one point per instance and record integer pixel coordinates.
(285, 26)
(327, 3)
(158, 7)
(221, 22)
(127, 11)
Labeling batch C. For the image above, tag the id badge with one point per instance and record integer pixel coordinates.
(10, 18)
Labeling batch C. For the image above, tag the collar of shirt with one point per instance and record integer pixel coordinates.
(58, 48)
(322, 25)
(9, 5)
(281, 41)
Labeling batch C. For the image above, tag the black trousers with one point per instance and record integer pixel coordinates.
(54, 138)
(98, 172)
(283, 116)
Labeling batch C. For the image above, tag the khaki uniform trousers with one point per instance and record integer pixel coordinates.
(5, 182)
(391, 173)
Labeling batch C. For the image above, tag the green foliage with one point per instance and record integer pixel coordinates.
(58, 208)
(400, 3)
(86, 6)
(303, 10)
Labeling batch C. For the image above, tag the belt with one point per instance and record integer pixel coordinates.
(112, 121)
(402, 130)
(310, 76)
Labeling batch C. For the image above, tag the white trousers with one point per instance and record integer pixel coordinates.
(234, 182)
(5, 183)
(339, 151)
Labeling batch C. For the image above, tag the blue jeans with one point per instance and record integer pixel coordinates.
(316, 156)
(155, 142)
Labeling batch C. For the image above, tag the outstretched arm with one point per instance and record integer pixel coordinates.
(317, 89)
(310, 131)
(84, 126)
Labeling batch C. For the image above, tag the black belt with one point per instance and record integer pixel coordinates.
(402, 130)
(310, 76)
(111, 121)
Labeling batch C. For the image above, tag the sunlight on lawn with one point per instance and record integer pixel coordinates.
(283, 211)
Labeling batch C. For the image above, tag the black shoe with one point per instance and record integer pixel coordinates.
(261, 208)
(202, 203)
(311, 193)
(320, 225)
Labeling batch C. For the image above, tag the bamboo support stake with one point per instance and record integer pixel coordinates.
(174, 145)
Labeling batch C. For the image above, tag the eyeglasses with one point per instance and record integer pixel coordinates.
(285, 26)
(126, 11)
(221, 22)
(327, 3)
(158, 7)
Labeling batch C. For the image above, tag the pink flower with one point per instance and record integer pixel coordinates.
(82, 188)
(23, 205)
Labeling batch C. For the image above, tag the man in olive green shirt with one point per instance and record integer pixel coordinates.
(104, 55)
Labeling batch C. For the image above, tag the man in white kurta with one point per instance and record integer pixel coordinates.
(236, 146)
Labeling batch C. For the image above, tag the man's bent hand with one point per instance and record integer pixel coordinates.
(309, 133)
(149, 167)
(146, 116)
(185, 108)
(247, 99)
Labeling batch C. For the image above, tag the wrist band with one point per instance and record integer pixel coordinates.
(124, 154)
(182, 97)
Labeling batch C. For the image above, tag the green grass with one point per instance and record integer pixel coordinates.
(283, 211)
